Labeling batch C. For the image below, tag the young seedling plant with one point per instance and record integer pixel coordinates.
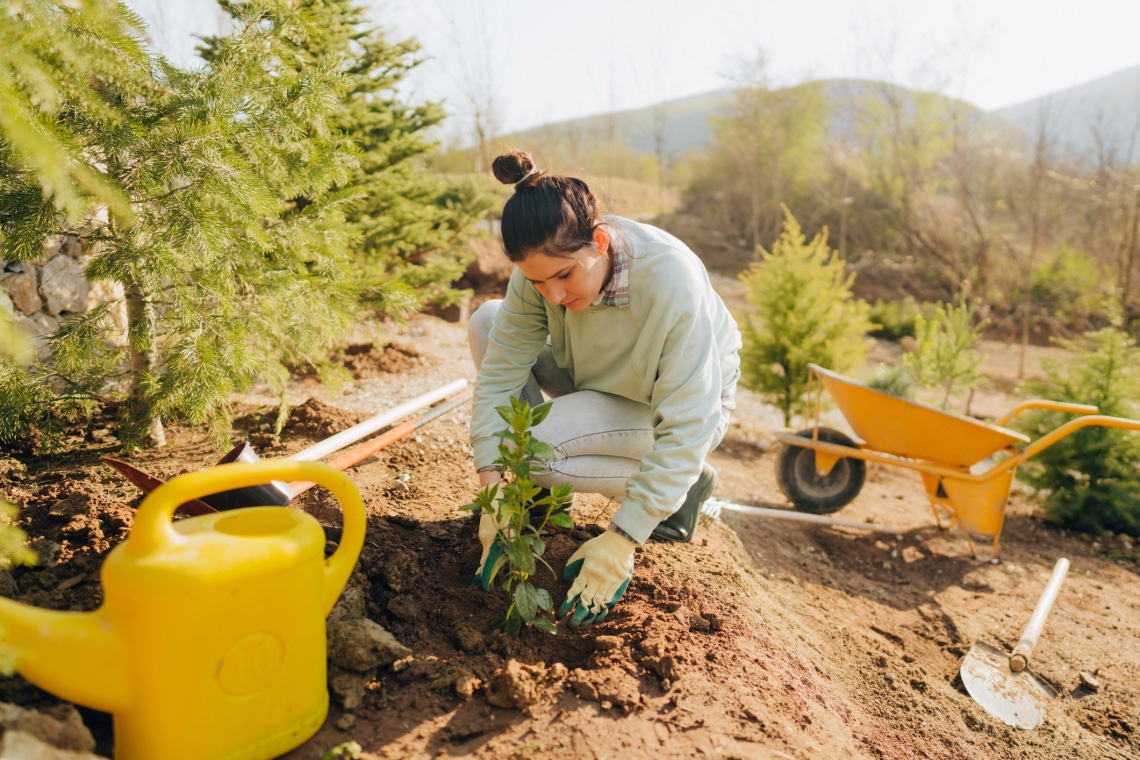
(521, 511)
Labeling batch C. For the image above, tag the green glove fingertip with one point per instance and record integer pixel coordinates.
(567, 605)
(483, 577)
(572, 569)
(581, 617)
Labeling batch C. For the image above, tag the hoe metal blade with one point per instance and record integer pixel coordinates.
(1016, 699)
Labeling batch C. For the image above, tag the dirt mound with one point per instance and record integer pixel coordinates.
(315, 419)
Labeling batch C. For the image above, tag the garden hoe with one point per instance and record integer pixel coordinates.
(1003, 684)
(279, 494)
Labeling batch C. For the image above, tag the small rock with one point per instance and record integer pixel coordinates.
(466, 684)
(1089, 681)
(348, 688)
(888, 566)
(363, 645)
(699, 624)
(346, 722)
(19, 745)
(60, 726)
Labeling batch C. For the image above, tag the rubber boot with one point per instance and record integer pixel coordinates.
(682, 524)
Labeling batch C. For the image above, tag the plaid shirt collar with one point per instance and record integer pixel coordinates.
(616, 291)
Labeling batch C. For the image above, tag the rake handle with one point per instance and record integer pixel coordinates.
(1019, 660)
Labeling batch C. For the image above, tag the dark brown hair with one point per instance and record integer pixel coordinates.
(548, 212)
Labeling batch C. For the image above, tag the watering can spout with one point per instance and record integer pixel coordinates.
(75, 655)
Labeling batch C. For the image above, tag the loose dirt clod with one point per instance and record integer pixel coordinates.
(519, 686)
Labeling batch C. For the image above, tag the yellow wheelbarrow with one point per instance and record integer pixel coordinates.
(821, 470)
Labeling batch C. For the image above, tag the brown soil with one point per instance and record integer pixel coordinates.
(762, 639)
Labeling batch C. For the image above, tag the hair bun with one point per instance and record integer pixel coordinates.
(513, 167)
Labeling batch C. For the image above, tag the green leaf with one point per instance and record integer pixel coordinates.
(545, 625)
(471, 507)
(562, 519)
(538, 546)
(499, 564)
(514, 624)
(538, 414)
(542, 450)
(544, 601)
(526, 601)
(506, 412)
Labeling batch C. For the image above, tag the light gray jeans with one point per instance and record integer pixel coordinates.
(599, 437)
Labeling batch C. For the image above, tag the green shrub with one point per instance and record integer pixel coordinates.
(893, 320)
(892, 379)
(801, 312)
(944, 357)
(1068, 284)
(1090, 480)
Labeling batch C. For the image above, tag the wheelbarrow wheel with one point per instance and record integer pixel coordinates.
(798, 479)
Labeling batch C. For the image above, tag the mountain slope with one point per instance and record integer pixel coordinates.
(1103, 114)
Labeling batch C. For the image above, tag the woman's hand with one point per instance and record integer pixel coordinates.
(602, 569)
(488, 477)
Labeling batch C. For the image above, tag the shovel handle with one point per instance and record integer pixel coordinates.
(1019, 660)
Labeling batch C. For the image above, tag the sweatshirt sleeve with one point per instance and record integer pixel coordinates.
(684, 369)
(519, 333)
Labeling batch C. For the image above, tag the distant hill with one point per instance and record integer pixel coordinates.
(1109, 106)
(687, 125)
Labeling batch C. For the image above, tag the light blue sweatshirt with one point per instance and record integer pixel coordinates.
(672, 349)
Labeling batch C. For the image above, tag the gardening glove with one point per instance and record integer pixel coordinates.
(602, 569)
(492, 549)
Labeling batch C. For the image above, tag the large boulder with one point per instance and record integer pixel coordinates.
(63, 286)
(21, 288)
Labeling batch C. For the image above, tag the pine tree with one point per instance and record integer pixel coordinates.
(410, 225)
(226, 278)
(801, 312)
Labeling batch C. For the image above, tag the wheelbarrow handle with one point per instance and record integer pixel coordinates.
(1019, 660)
(1040, 403)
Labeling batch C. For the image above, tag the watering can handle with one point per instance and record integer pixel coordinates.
(152, 530)
(1019, 660)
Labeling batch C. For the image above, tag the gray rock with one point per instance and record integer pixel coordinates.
(37, 328)
(64, 286)
(73, 247)
(61, 726)
(363, 645)
(16, 267)
(348, 688)
(19, 745)
(54, 246)
(21, 288)
(1089, 681)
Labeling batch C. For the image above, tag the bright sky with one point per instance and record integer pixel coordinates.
(544, 61)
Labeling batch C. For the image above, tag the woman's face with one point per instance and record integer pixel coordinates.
(571, 280)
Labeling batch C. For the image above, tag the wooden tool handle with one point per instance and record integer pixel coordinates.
(1019, 660)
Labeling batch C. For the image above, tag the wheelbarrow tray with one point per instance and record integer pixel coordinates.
(912, 429)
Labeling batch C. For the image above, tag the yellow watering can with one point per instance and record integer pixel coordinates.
(210, 642)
